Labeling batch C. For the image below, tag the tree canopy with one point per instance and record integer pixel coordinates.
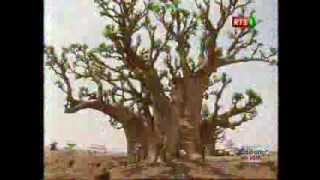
(146, 53)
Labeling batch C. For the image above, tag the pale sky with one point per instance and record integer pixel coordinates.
(78, 21)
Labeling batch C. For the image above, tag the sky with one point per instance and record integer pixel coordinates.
(78, 21)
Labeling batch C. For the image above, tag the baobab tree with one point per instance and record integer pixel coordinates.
(148, 83)
(212, 127)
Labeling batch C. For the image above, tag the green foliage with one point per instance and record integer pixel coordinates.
(94, 68)
(181, 51)
(273, 50)
(83, 91)
(251, 93)
(59, 84)
(109, 31)
(205, 111)
(253, 97)
(155, 7)
(77, 47)
(211, 82)
(115, 124)
(202, 47)
(176, 2)
(157, 43)
(70, 146)
(237, 97)
(192, 64)
(225, 79)
(171, 8)
(163, 73)
(105, 48)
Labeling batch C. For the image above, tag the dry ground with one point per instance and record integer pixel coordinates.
(80, 165)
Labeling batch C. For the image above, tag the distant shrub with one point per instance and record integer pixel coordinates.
(71, 163)
(53, 146)
(70, 147)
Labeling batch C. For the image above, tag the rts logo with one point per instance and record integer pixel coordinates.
(244, 22)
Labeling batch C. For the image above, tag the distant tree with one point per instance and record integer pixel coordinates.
(53, 146)
(70, 146)
(122, 77)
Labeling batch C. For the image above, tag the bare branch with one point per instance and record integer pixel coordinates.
(218, 94)
(96, 100)
(248, 111)
(210, 35)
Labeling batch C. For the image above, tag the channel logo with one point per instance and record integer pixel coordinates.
(244, 22)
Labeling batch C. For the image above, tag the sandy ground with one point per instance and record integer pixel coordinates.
(81, 165)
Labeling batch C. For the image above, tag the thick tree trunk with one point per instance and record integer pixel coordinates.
(166, 123)
(212, 150)
(179, 119)
(135, 134)
(187, 103)
(208, 128)
(138, 133)
(164, 120)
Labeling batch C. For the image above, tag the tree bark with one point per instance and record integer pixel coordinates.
(212, 150)
(137, 132)
(187, 103)
(164, 119)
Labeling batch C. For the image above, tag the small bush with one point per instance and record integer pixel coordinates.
(70, 147)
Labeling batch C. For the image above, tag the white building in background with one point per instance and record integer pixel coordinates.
(97, 148)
